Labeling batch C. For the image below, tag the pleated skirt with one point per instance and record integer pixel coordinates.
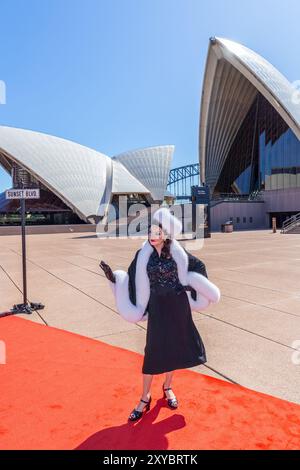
(172, 340)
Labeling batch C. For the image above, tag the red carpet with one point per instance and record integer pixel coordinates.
(64, 391)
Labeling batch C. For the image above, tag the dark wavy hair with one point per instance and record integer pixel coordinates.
(165, 252)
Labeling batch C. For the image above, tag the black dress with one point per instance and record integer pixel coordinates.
(172, 341)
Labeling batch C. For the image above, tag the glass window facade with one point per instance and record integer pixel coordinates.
(264, 155)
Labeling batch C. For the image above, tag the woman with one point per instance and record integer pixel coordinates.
(163, 284)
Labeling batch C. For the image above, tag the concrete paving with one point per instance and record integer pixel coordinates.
(248, 336)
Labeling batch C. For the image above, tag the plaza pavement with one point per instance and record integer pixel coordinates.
(248, 335)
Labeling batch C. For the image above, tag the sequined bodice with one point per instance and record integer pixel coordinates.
(162, 272)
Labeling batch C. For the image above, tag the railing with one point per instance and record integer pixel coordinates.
(290, 223)
(218, 198)
(256, 195)
(253, 196)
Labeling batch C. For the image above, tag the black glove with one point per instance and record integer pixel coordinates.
(182, 288)
(107, 271)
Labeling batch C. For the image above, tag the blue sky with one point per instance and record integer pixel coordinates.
(122, 74)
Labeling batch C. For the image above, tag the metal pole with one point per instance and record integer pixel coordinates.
(24, 251)
(25, 307)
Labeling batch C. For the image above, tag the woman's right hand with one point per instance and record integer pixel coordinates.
(107, 271)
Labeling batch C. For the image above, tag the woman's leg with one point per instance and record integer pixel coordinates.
(147, 381)
(167, 384)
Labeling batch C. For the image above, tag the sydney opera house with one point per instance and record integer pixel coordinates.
(76, 183)
(249, 154)
(249, 138)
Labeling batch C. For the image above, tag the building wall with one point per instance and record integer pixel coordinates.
(273, 201)
(282, 200)
(240, 212)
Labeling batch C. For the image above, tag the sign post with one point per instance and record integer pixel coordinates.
(23, 221)
(201, 196)
(22, 195)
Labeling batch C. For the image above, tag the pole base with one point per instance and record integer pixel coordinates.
(27, 308)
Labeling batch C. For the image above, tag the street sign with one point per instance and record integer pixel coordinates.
(22, 194)
(200, 194)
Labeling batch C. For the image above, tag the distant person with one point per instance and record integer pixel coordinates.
(163, 284)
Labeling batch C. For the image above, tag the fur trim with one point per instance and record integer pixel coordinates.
(207, 292)
(171, 224)
(130, 312)
(204, 287)
(142, 284)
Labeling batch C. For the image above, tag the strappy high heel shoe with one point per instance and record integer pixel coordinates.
(136, 414)
(172, 402)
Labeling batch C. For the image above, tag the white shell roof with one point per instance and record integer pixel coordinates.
(277, 84)
(151, 166)
(234, 75)
(124, 182)
(82, 177)
(75, 173)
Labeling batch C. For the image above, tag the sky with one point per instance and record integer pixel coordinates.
(117, 75)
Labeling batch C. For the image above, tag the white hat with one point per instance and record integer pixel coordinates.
(171, 224)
